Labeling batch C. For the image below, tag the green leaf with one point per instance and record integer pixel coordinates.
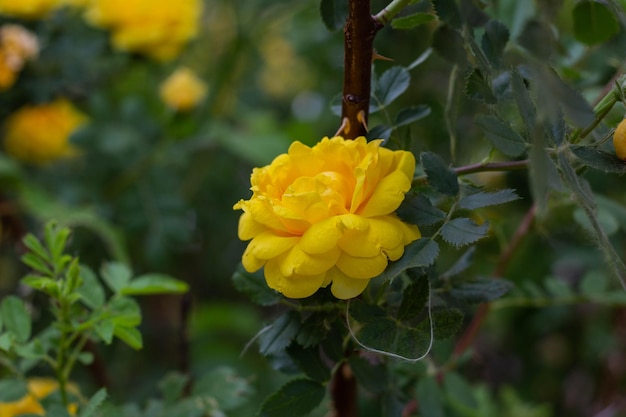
(56, 238)
(334, 13)
(255, 287)
(6, 341)
(446, 322)
(309, 362)
(105, 329)
(594, 283)
(411, 114)
(116, 275)
(461, 264)
(16, 318)
(463, 231)
(91, 291)
(440, 176)
(32, 243)
(224, 385)
(494, 41)
(129, 335)
(371, 374)
(501, 135)
(478, 87)
(37, 264)
(538, 38)
(448, 11)
(312, 331)
(430, 397)
(449, 43)
(414, 299)
(600, 160)
(390, 86)
(280, 334)
(94, 403)
(43, 284)
(379, 132)
(417, 209)
(481, 291)
(124, 311)
(422, 252)
(12, 389)
(296, 398)
(484, 199)
(172, 386)
(523, 100)
(413, 20)
(594, 22)
(459, 393)
(154, 284)
(557, 287)
(605, 218)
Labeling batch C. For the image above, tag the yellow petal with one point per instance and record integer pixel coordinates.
(269, 245)
(394, 253)
(296, 261)
(405, 163)
(354, 222)
(387, 196)
(250, 262)
(248, 227)
(355, 267)
(344, 287)
(295, 286)
(322, 236)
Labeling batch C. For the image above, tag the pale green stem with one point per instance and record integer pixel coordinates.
(390, 11)
(450, 110)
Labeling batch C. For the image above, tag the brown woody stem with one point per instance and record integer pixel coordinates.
(359, 33)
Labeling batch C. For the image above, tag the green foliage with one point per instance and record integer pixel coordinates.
(297, 397)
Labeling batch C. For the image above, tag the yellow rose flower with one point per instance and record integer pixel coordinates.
(182, 90)
(38, 388)
(157, 28)
(28, 9)
(17, 45)
(325, 215)
(40, 134)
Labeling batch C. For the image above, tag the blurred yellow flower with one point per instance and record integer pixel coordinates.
(28, 9)
(284, 73)
(40, 134)
(183, 89)
(38, 388)
(157, 28)
(325, 215)
(17, 45)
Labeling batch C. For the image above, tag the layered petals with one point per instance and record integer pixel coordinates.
(325, 215)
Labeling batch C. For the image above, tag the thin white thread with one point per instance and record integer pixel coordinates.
(256, 336)
(390, 354)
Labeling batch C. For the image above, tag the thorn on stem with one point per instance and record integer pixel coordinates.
(345, 127)
(376, 55)
(361, 118)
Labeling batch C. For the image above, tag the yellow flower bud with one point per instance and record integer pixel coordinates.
(619, 140)
(325, 215)
(182, 90)
(40, 134)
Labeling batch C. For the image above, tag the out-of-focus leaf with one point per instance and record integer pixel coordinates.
(334, 13)
(371, 376)
(413, 20)
(440, 176)
(296, 398)
(16, 318)
(116, 275)
(523, 100)
(91, 291)
(94, 403)
(594, 22)
(501, 135)
(449, 43)
(448, 11)
(225, 386)
(538, 38)
(459, 393)
(607, 221)
(414, 298)
(12, 389)
(129, 335)
(255, 287)
(154, 284)
(463, 231)
(481, 291)
(172, 386)
(430, 397)
(309, 362)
